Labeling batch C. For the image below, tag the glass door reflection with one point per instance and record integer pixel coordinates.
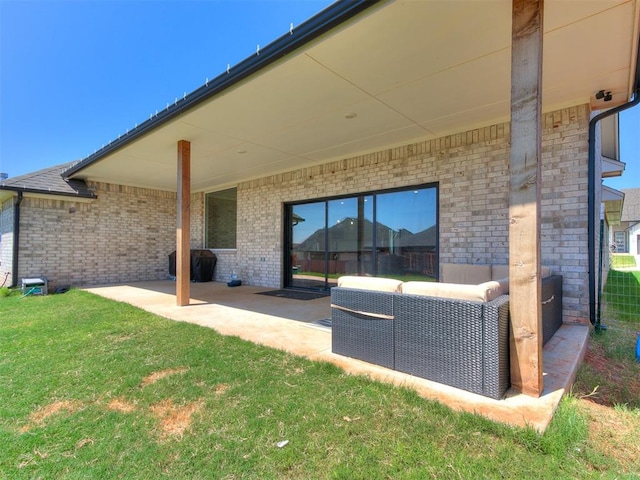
(308, 239)
(350, 237)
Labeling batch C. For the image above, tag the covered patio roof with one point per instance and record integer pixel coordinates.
(363, 76)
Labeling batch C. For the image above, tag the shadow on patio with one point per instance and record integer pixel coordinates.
(286, 324)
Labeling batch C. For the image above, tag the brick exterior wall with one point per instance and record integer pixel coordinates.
(472, 171)
(6, 241)
(125, 235)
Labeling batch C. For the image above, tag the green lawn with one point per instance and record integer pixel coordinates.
(92, 388)
(621, 296)
(622, 260)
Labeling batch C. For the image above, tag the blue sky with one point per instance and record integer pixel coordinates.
(75, 75)
(629, 150)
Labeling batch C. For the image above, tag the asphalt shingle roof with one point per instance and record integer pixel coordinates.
(48, 181)
(631, 205)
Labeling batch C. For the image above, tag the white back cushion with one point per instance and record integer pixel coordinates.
(467, 274)
(370, 283)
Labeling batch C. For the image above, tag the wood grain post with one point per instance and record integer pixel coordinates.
(183, 227)
(524, 197)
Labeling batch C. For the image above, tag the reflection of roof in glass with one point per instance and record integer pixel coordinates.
(425, 238)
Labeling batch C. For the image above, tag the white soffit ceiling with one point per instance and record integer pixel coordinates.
(408, 70)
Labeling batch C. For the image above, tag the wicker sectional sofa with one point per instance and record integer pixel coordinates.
(454, 334)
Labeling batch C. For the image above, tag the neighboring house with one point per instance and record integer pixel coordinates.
(365, 104)
(625, 237)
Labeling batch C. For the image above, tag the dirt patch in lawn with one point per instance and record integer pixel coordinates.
(38, 417)
(175, 419)
(222, 388)
(612, 429)
(155, 376)
(121, 405)
(615, 432)
(613, 382)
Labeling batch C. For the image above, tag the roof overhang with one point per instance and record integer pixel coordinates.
(612, 168)
(613, 201)
(6, 195)
(8, 192)
(380, 75)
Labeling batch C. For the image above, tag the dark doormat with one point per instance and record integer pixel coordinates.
(323, 322)
(294, 294)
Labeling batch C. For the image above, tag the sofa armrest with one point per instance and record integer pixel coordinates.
(362, 325)
(460, 343)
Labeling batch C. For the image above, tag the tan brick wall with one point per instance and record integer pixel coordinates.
(197, 220)
(125, 235)
(564, 206)
(472, 171)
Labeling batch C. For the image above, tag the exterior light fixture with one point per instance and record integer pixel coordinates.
(604, 95)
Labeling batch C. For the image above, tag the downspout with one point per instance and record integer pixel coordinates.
(594, 310)
(16, 240)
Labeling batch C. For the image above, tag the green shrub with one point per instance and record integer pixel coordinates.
(5, 292)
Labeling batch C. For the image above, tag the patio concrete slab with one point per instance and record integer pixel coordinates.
(286, 324)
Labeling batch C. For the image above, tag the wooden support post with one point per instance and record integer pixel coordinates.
(183, 227)
(524, 198)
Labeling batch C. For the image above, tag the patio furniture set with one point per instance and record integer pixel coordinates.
(455, 332)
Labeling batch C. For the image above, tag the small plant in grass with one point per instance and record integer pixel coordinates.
(4, 292)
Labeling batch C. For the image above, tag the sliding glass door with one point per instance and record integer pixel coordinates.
(408, 234)
(350, 233)
(388, 233)
(307, 248)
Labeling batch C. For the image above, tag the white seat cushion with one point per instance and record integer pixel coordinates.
(370, 283)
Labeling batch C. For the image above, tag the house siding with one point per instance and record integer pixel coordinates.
(6, 241)
(634, 233)
(472, 172)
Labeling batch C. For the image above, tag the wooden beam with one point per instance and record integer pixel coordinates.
(183, 226)
(524, 198)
